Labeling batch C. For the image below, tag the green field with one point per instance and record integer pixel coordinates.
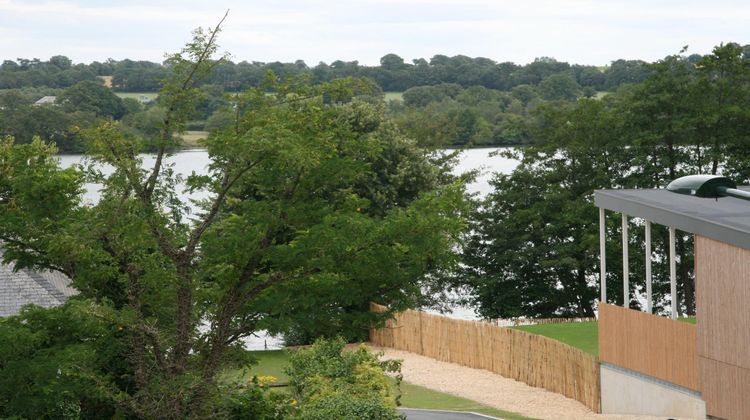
(272, 362)
(193, 138)
(394, 96)
(582, 335)
(135, 95)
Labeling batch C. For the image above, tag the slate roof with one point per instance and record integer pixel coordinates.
(18, 288)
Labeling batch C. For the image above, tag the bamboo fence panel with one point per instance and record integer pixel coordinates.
(533, 359)
(649, 344)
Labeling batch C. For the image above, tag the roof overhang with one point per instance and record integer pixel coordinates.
(725, 219)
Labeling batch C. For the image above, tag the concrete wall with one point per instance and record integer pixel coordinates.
(627, 392)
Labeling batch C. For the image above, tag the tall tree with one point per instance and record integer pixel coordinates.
(290, 231)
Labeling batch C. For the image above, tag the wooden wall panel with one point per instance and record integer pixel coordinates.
(726, 390)
(723, 312)
(653, 345)
(723, 301)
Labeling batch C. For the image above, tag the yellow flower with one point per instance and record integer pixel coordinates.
(266, 379)
(294, 402)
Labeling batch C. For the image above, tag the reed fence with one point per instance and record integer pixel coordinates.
(533, 359)
(514, 322)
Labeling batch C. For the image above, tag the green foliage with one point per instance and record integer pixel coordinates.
(62, 362)
(255, 401)
(93, 97)
(449, 115)
(24, 121)
(534, 247)
(311, 213)
(559, 87)
(331, 383)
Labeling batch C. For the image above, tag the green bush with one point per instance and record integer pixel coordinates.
(331, 383)
(255, 401)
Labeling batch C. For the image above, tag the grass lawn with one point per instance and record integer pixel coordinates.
(272, 363)
(191, 138)
(393, 96)
(582, 335)
(415, 396)
(689, 320)
(135, 95)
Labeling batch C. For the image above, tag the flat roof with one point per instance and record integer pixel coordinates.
(726, 219)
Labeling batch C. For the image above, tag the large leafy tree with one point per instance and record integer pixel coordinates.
(310, 214)
(534, 247)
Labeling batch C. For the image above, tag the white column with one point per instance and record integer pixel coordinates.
(602, 255)
(625, 272)
(672, 273)
(649, 297)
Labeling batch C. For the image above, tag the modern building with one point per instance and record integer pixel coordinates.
(22, 287)
(654, 365)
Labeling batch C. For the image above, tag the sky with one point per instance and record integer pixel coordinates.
(594, 32)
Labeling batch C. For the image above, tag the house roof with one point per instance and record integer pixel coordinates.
(46, 100)
(22, 287)
(726, 219)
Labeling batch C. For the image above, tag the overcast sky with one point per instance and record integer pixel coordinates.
(578, 31)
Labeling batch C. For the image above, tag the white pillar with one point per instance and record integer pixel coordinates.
(672, 273)
(625, 272)
(602, 255)
(649, 297)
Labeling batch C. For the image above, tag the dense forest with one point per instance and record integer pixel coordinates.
(447, 101)
(392, 75)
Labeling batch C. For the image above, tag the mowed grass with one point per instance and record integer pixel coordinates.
(193, 138)
(415, 396)
(136, 95)
(582, 335)
(688, 320)
(394, 96)
(273, 362)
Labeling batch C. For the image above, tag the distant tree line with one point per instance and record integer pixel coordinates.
(393, 73)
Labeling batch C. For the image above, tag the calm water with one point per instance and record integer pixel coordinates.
(186, 162)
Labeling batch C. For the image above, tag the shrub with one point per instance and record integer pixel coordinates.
(255, 401)
(331, 383)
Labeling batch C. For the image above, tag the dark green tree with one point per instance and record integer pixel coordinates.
(289, 231)
(90, 96)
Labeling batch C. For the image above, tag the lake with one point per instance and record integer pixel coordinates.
(185, 162)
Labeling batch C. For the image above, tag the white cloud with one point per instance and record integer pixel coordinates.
(585, 31)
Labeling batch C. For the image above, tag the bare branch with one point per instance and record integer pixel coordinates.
(150, 185)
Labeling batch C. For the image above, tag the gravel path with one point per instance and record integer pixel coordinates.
(491, 389)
